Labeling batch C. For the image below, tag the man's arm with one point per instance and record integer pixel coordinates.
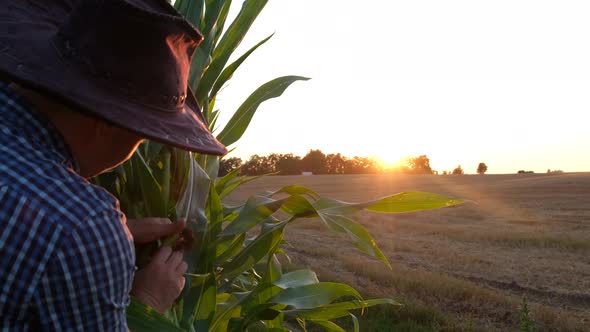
(87, 282)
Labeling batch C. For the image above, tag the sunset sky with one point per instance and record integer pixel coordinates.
(501, 82)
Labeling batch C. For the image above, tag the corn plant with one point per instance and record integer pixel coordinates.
(235, 281)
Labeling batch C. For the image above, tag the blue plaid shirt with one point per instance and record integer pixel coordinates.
(66, 255)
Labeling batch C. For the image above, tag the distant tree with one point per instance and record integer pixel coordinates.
(360, 165)
(315, 162)
(227, 165)
(335, 164)
(525, 172)
(445, 173)
(419, 165)
(458, 170)
(288, 164)
(555, 171)
(482, 168)
(257, 165)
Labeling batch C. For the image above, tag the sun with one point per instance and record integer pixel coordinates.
(389, 161)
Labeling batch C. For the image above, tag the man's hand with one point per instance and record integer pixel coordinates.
(151, 229)
(161, 281)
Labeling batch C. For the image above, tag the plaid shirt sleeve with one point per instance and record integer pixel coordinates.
(87, 282)
(57, 279)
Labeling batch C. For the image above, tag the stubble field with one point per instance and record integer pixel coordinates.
(466, 268)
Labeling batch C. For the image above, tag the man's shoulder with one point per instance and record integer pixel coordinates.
(64, 196)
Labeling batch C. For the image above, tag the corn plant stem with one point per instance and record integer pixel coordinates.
(166, 178)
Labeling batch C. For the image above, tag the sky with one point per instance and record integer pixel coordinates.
(501, 82)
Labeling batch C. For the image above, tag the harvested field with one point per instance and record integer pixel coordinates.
(465, 268)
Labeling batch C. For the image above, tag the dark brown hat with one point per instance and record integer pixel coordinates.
(125, 61)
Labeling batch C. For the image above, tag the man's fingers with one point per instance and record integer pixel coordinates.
(162, 255)
(144, 232)
(182, 267)
(175, 259)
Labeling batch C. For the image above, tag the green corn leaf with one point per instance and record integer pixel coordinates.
(235, 183)
(335, 310)
(228, 248)
(151, 150)
(221, 182)
(296, 190)
(355, 323)
(228, 43)
(212, 14)
(215, 216)
(210, 164)
(256, 250)
(256, 210)
(329, 326)
(141, 317)
(213, 118)
(314, 295)
(228, 307)
(150, 188)
(166, 178)
(297, 278)
(192, 10)
(298, 207)
(412, 201)
(398, 203)
(199, 304)
(239, 122)
(231, 69)
(222, 19)
(205, 50)
(359, 235)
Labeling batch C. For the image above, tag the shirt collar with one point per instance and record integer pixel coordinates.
(34, 126)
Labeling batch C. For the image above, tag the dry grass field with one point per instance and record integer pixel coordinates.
(465, 268)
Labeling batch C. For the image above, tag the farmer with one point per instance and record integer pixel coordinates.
(85, 82)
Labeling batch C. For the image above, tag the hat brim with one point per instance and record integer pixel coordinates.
(28, 56)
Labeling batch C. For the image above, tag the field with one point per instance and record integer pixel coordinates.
(519, 239)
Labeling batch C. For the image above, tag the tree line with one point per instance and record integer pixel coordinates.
(316, 162)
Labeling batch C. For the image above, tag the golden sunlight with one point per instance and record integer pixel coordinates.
(389, 161)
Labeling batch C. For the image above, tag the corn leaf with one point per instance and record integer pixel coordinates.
(230, 70)
(228, 43)
(239, 122)
(154, 204)
(314, 295)
(355, 322)
(256, 210)
(329, 326)
(199, 305)
(231, 185)
(335, 310)
(254, 251)
(359, 235)
(295, 190)
(398, 203)
(141, 317)
(297, 278)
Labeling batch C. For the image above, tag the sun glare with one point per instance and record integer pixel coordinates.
(389, 161)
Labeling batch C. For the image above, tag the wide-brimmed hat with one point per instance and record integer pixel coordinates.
(124, 61)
